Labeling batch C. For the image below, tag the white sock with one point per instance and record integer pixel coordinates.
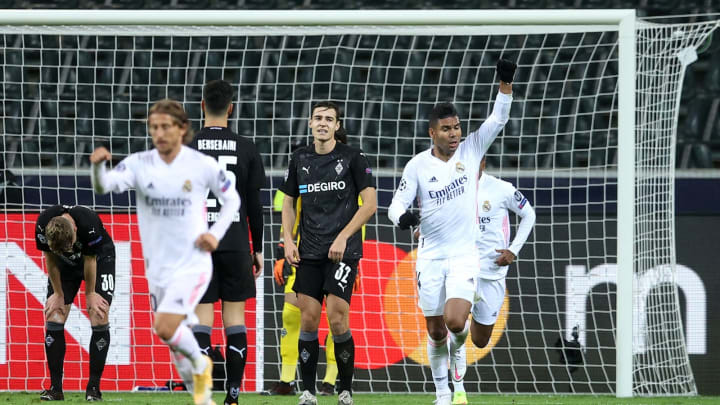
(458, 386)
(184, 368)
(458, 339)
(184, 342)
(438, 357)
(455, 342)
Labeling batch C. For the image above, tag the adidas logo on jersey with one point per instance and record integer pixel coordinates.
(433, 179)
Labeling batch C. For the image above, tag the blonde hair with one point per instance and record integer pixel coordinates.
(177, 112)
(59, 232)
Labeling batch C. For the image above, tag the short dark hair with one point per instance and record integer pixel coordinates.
(218, 95)
(440, 111)
(340, 134)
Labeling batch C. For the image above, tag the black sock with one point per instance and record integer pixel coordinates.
(202, 335)
(55, 352)
(309, 350)
(236, 355)
(99, 345)
(345, 358)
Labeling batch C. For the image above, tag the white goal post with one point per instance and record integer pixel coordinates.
(590, 142)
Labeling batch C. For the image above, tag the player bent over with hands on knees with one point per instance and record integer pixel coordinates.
(443, 179)
(171, 183)
(330, 176)
(76, 247)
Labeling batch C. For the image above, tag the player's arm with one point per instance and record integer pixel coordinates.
(289, 211)
(292, 255)
(406, 192)
(97, 306)
(362, 215)
(520, 205)
(254, 211)
(483, 137)
(223, 187)
(56, 302)
(120, 179)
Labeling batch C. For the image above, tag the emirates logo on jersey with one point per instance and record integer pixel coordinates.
(459, 167)
(187, 186)
(486, 206)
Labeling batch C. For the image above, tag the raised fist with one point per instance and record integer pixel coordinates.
(506, 70)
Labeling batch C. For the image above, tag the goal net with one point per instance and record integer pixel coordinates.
(69, 87)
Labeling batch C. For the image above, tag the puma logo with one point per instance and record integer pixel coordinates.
(240, 351)
(307, 170)
(342, 286)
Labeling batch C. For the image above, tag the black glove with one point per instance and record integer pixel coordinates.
(506, 70)
(407, 220)
(280, 251)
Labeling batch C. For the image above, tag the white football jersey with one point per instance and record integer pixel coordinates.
(494, 198)
(171, 208)
(446, 191)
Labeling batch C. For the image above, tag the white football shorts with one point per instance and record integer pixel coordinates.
(439, 280)
(182, 294)
(489, 297)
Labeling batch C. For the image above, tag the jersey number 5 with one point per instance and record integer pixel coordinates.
(224, 161)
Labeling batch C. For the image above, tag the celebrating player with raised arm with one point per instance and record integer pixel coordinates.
(234, 267)
(76, 247)
(171, 183)
(443, 179)
(329, 176)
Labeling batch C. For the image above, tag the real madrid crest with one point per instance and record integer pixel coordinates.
(187, 186)
(486, 206)
(459, 167)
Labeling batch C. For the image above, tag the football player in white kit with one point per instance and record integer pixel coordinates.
(171, 183)
(494, 198)
(443, 179)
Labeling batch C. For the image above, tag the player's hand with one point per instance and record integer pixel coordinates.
(97, 306)
(407, 220)
(292, 256)
(258, 263)
(337, 249)
(206, 242)
(356, 285)
(55, 303)
(99, 155)
(278, 271)
(416, 234)
(506, 257)
(506, 70)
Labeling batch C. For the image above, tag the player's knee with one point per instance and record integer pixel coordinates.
(480, 339)
(338, 326)
(455, 325)
(309, 321)
(164, 330)
(437, 334)
(97, 317)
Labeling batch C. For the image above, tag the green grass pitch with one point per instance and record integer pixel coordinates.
(363, 399)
